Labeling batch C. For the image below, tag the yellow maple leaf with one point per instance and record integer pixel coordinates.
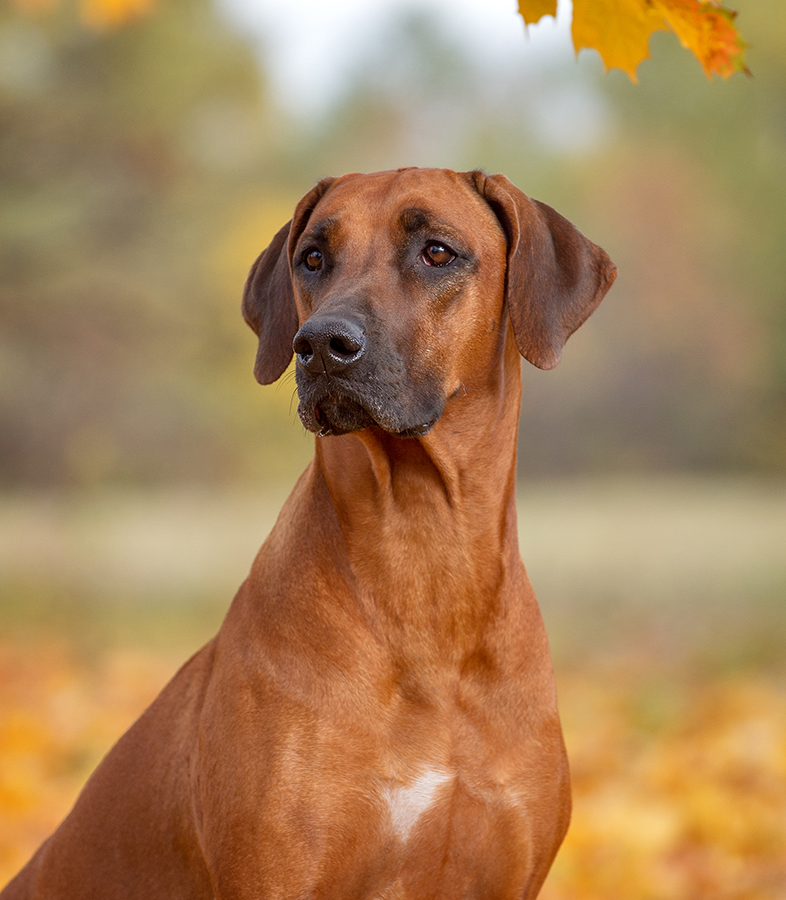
(620, 30)
(534, 10)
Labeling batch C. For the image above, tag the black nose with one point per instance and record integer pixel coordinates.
(329, 344)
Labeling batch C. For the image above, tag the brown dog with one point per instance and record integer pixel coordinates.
(376, 717)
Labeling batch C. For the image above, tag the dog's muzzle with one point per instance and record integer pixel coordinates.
(340, 387)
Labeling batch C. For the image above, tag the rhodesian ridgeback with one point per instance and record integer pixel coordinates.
(376, 718)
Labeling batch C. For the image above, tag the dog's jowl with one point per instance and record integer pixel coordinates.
(376, 717)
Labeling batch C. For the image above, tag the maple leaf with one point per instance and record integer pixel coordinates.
(620, 30)
(534, 10)
(707, 29)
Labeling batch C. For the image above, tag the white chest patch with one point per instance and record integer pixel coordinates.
(408, 803)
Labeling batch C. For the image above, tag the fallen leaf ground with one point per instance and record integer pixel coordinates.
(679, 788)
(665, 604)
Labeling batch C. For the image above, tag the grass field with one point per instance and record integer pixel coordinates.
(666, 605)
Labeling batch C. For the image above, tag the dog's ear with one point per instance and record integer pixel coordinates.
(268, 296)
(556, 277)
(269, 308)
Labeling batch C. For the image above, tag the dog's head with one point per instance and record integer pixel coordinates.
(394, 291)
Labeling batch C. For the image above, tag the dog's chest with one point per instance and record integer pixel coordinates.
(406, 804)
(447, 833)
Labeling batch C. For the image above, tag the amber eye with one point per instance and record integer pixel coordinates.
(313, 260)
(438, 255)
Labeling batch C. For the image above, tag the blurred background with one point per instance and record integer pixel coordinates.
(149, 152)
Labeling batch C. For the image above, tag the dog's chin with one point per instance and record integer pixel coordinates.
(335, 415)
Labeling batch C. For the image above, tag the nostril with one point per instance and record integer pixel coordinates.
(302, 346)
(343, 346)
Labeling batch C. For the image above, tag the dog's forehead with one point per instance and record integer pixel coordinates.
(400, 200)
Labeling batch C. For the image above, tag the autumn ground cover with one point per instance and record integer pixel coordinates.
(679, 787)
(669, 663)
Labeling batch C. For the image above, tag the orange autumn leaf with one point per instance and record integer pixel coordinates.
(620, 30)
(707, 29)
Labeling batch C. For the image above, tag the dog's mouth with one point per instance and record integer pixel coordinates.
(337, 413)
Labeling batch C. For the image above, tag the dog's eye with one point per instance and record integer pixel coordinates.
(436, 254)
(313, 260)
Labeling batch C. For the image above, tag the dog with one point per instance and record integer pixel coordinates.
(376, 718)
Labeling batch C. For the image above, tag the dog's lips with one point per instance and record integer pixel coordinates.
(334, 412)
(417, 430)
(320, 417)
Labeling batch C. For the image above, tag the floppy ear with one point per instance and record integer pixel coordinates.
(269, 308)
(268, 296)
(556, 277)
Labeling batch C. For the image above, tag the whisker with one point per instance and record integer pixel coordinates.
(287, 377)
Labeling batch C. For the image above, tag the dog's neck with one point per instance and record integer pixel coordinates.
(449, 496)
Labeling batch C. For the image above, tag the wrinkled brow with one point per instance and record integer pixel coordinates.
(325, 232)
(415, 220)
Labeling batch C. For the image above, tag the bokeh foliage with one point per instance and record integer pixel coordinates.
(128, 162)
(142, 169)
